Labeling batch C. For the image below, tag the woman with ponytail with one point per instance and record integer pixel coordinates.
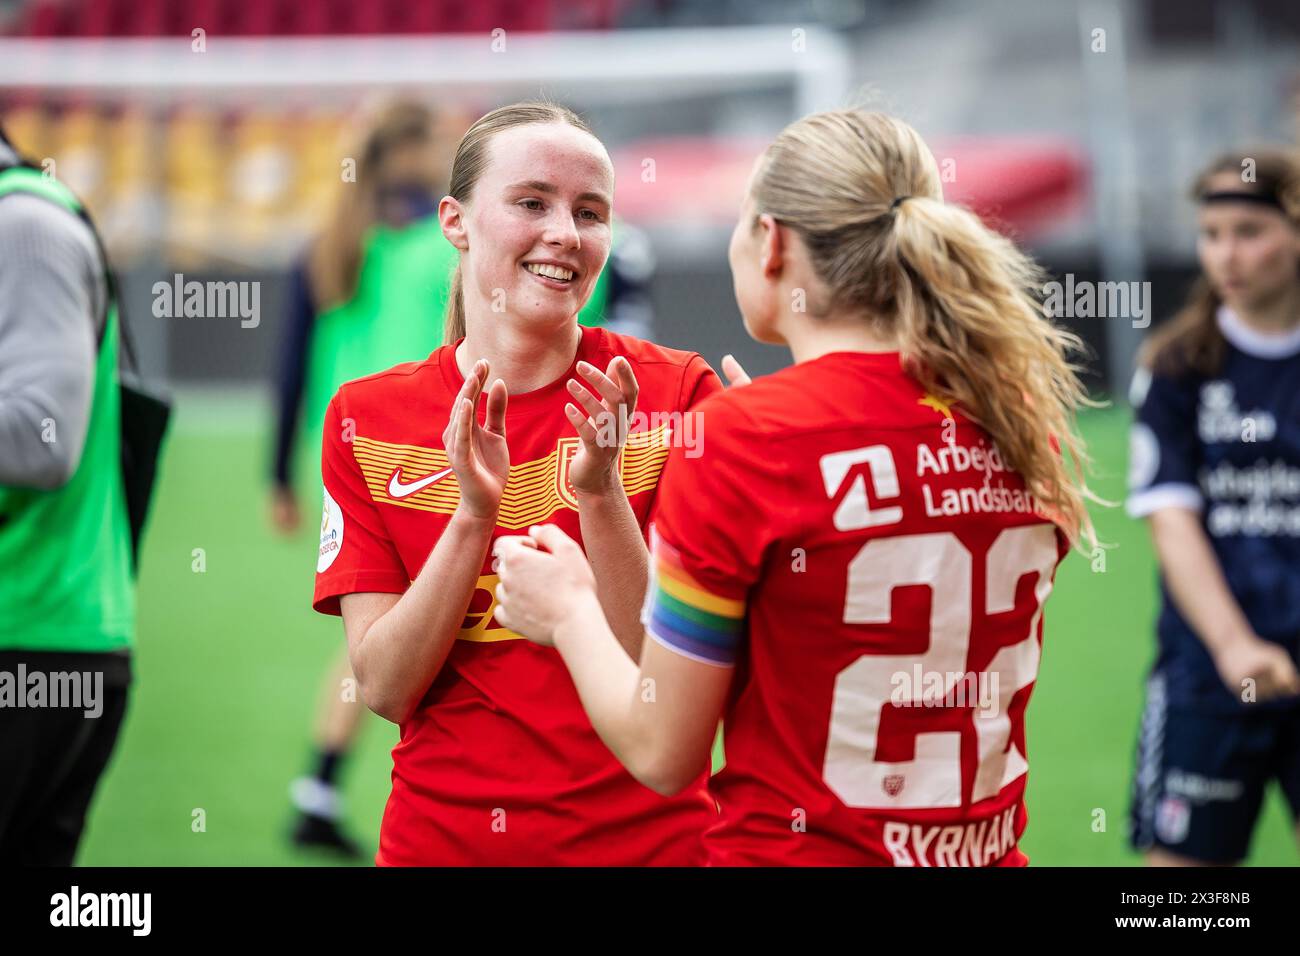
(852, 575)
(1215, 469)
(524, 416)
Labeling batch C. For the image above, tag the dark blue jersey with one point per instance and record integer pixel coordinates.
(1227, 447)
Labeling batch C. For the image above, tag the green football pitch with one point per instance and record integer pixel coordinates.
(230, 660)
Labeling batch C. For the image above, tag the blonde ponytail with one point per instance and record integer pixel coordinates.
(972, 330)
(863, 192)
(455, 322)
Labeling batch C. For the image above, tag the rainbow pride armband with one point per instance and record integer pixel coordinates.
(687, 617)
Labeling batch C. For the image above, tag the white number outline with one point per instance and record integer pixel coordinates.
(938, 560)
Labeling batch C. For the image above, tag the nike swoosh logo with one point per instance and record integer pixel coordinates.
(399, 489)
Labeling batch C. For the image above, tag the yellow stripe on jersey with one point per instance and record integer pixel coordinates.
(533, 493)
(478, 631)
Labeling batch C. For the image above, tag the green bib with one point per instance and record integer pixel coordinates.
(65, 555)
(593, 313)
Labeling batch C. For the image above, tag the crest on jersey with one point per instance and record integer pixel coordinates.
(1173, 818)
(566, 448)
(938, 404)
(892, 784)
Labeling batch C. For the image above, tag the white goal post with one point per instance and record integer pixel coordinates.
(618, 66)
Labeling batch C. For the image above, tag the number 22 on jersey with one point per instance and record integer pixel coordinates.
(941, 562)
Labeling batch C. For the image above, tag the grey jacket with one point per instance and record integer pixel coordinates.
(52, 295)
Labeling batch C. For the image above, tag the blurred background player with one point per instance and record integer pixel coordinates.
(621, 301)
(67, 582)
(1215, 469)
(369, 293)
(789, 600)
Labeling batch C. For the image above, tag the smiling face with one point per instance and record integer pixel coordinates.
(1249, 253)
(535, 232)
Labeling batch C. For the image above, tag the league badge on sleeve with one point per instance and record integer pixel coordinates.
(331, 534)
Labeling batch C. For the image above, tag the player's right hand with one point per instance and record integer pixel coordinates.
(284, 512)
(478, 453)
(543, 578)
(1253, 668)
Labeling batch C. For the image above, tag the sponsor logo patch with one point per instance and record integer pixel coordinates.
(331, 534)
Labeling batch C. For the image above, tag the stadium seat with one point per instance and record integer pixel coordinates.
(131, 210)
(195, 156)
(259, 177)
(78, 152)
(44, 18)
(27, 123)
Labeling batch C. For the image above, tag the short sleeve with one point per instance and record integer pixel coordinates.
(1164, 449)
(698, 383)
(356, 554)
(710, 534)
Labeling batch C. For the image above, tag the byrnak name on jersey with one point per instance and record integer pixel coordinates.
(968, 844)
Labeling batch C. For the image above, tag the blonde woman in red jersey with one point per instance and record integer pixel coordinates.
(852, 575)
(507, 425)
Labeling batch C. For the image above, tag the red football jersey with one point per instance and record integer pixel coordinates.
(499, 764)
(885, 573)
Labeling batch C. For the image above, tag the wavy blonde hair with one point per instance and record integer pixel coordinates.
(962, 299)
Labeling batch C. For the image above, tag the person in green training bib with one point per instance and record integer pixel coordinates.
(67, 582)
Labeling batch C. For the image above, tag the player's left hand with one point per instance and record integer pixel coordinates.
(601, 423)
(544, 577)
(737, 377)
